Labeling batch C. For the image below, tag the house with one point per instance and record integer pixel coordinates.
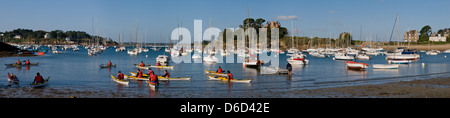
(411, 36)
(17, 37)
(47, 35)
(435, 37)
(67, 39)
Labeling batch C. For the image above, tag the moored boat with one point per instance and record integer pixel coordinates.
(356, 65)
(385, 66)
(399, 61)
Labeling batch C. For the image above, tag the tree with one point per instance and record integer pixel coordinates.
(425, 33)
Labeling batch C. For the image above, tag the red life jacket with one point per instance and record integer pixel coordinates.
(158, 64)
(167, 74)
(19, 63)
(27, 63)
(153, 77)
(109, 63)
(142, 64)
(120, 76)
(39, 79)
(140, 74)
(230, 76)
(219, 70)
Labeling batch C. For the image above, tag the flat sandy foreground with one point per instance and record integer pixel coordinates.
(428, 88)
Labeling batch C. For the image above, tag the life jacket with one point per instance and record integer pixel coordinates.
(27, 62)
(120, 76)
(39, 79)
(153, 78)
(139, 74)
(19, 63)
(219, 70)
(142, 64)
(109, 63)
(167, 74)
(158, 64)
(230, 76)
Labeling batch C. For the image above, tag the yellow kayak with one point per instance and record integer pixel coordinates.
(225, 79)
(161, 78)
(113, 78)
(214, 73)
(143, 78)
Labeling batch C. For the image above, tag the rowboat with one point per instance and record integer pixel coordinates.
(37, 85)
(399, 61)
(14, 64)
(214, 73)
(225, 79)
(160, 78)
(356, 65)
(164, 67)
(143, 78)
(106, 66)
(113, 78)
(385, 66)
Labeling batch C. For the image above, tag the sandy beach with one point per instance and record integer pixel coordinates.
(428, 88)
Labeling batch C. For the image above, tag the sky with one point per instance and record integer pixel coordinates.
(314, 18)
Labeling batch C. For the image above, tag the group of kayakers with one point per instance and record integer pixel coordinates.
(27, 62)
(229, 75)
(37, 79)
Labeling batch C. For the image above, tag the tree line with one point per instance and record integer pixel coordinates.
(55, 37)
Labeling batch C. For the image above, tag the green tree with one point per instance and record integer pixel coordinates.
(425, 33)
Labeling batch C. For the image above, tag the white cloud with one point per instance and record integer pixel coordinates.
(291, 17)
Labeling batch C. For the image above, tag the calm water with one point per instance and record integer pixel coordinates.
(78, 71)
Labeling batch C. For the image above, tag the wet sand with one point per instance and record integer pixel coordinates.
(429, 88)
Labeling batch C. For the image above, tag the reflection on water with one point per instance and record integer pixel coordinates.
(76, 70)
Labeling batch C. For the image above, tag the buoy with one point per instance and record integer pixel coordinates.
(146, 55)
(445, 56)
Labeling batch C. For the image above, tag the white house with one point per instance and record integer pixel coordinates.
(47, 35)
(437, 38)
(17, 36)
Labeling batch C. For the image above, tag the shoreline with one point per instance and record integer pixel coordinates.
(427, 88)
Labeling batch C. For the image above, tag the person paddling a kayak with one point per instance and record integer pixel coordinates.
(139, 73)
(18, 62)
(12, 77)
(229, 76)
(158, 64)
(109, 63)
(27, 62)
(166, 74)
(38, 79)
(219, 70)
(142, 64)
(150, 71)
(153, 78)
(120, 76)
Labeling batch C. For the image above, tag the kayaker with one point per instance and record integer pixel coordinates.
(18, 62)
(289, 68)
(166, 74)
(12, 77)
(38, 78)
(139, 73)
(230, 76)
(219, 70)
(158, 64)
(150, 71)
(142, 64)
(109, 63)
(153, 78)
(27, 62)
(120, 76)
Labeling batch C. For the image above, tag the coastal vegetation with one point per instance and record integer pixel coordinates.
(28, 36)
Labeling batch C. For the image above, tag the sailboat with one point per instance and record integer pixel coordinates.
(131, 51)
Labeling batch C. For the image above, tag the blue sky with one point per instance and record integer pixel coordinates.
(315, 18)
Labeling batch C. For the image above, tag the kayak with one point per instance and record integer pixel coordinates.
(141, 67)
(165, 67)
(225, 79)
(161, 78)
(113, 78)
(151, 85)
(14, 64)
(16, 81)
(106, 66)
(37, 85)
(214, 73)
(144, 78)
